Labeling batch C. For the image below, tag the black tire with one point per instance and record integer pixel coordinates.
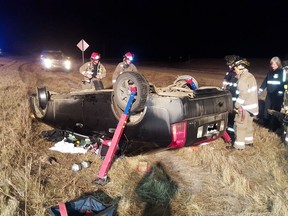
(122, 90)
(134, 117)
(43, 97)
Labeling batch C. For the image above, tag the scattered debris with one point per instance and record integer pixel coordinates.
(54, 135)
(86, 164)
(85, 205)
(78, 166)
(67, 147)
(143, 167)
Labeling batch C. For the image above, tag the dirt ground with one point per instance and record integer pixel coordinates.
(204, 187)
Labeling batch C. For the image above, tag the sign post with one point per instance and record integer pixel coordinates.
(82, 45)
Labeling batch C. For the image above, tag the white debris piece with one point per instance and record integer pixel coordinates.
(66, 147)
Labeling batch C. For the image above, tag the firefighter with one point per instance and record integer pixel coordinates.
(124, 66)
(274, 85)
(246, 105)
(230, 84)
(94, 72)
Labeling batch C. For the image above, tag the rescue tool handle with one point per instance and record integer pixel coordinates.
(191, 83)
(133, 91)
(102, 175)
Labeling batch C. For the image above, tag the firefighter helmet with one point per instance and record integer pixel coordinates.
(230, 59)
(95, 56)
(128, 56)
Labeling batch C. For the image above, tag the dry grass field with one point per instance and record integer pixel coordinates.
(204, 181)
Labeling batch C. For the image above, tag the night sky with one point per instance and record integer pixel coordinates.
(150, 29)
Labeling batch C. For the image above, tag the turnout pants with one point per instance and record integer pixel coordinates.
(230, 126)
(272, 101)
(243, 126)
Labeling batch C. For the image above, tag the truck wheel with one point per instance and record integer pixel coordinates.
(134, 117)
(122, 90)
(181, 81)
(38, 102)
(42, 96)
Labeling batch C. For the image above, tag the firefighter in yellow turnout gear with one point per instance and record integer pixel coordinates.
(246, 105)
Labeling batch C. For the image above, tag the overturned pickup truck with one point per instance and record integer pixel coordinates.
(171, 117)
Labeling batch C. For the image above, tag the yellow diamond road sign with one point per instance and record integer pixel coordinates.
(82, 45)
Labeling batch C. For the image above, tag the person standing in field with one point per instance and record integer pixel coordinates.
(124, 66)
(274, 85)
(94, 72)
(246, 105)
(230, 84)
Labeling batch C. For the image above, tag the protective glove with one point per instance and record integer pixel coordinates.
(88, 74)
(240, 111)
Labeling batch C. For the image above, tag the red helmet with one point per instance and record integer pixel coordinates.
(95, 56)
(128, 56)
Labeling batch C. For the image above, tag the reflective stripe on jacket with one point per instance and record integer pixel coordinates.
(230, 84)
(248, 96)
(274, 81)
(89, 67)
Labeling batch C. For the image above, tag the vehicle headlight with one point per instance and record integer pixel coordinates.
(67, 64)
(47, 63)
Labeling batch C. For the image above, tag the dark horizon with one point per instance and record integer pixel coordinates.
(150, 30)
